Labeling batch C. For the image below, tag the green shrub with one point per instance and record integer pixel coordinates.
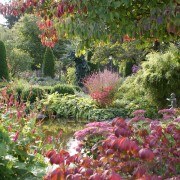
(3, 63)
(160, 75)
(62, 89)
(47, 89)
(43, 81)
(132, 96)
(77, 88)
(30, 94)
(126, 67)
(71, 75)
(48, 63)
(73, 106)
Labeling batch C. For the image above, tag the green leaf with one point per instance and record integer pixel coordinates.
(2, 149)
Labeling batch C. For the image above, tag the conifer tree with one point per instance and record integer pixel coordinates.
(3, 63)
(48, 63)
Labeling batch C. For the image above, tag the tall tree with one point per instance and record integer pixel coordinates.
(28, 39)
(11, 20)
(49, 64)
(3, 63)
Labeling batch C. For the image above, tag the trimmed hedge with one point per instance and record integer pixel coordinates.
(64, 89)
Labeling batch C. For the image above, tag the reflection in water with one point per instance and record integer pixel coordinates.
(65, 141)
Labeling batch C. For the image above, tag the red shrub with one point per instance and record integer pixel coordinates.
(138, 150)
(101, 86)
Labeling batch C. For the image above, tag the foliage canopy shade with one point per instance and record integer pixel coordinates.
(101, 19)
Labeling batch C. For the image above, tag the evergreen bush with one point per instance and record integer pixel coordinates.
(48, 63)
(30, 94)
(126, 67)
(3, 63)
(63, 89)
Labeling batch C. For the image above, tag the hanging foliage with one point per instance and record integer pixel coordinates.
(101, 20)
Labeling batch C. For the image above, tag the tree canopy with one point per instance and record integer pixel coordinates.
(93, 20)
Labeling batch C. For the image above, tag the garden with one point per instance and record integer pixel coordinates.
(90, 90)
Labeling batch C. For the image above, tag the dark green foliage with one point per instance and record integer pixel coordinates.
(63, 89)
(11, 20)
(32, 93)
(48, 64)
(77, 88)
(126, 67)
(3, 63)
(82, 69)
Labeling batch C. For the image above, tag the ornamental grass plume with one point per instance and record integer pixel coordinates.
(101, 86)
(99, 81)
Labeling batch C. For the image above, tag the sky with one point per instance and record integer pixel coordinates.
(2, 20)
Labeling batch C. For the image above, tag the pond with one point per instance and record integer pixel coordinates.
(65, 129)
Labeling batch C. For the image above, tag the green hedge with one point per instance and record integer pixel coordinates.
(65, 89)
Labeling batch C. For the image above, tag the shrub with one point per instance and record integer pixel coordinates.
(43, 81)
(30, 94)
(48, 63)
(160, 75)
(101, 86)
(22, 141)
(126, 67)
(77, 88)
(62, 89)
(71, 75)
(73, 106)
(3, 63)
(19, 61)
(132, 96)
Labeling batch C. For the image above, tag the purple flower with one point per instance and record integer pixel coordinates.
(135, 68)
(165, 117)
(98, 124)
(95, 128)
(154, 124)
(177, 120)
(139, 112)
(167, 111)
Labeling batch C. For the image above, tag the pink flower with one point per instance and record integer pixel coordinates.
(11, 100)
(165, 117)
(139, 112)
(50, 139)
(167, 111)
(10, 128)
(16, 136)
(177, 120)
(18, 114)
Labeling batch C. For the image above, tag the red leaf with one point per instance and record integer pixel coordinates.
(50, 153)
(115, 176)
(146, 154)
